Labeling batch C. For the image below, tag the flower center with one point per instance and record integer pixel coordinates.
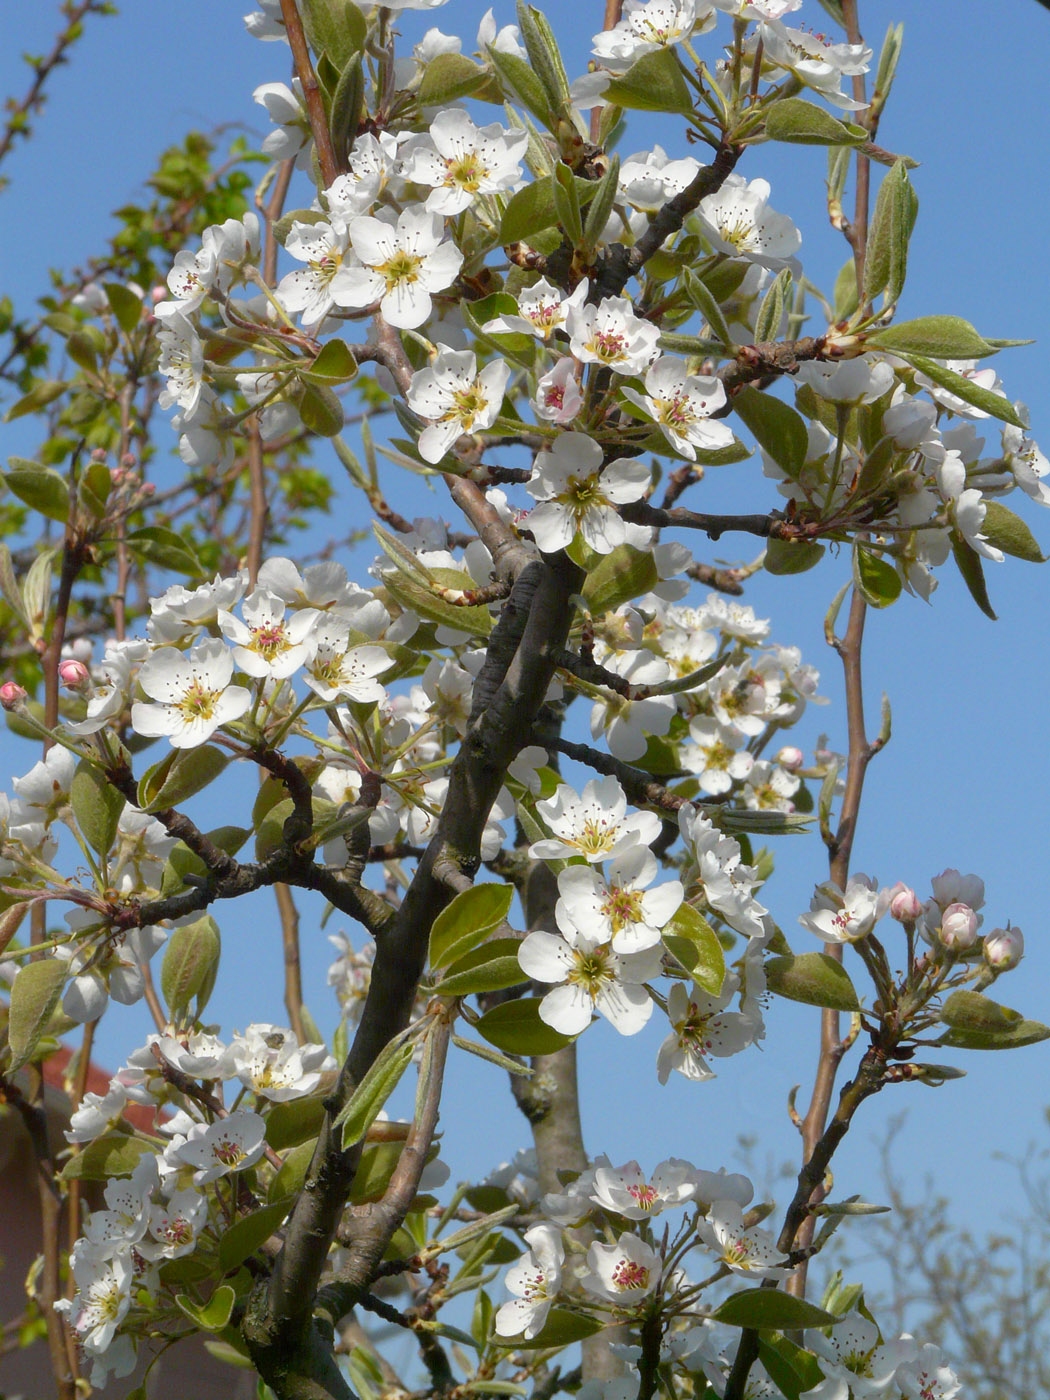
(326, 266)
(198, 702)
(468, 404)
(627, 1275)
(594, 836)
(228, 1152)
(592, 971)
(644, 1196)
(467, 172)
(608, 345)
(402, 267)
(269, 640)
(622, 906)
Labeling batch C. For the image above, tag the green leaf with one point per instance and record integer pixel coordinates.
(814, 978)
(517, 75)
(776, 427)
(295, 1121)
(179, 775)
(36, 592)
(624, 574)
(35, 993)
(944, 337)
(791, 1369)
(448, 77)
(39, 396)
(515, 1026)
(94, 488)
(655, 83)
(561, 1329)
(542, 48)
(878, 583)
(771, 307)
(38, 486)
(9, 585)
(475, 620)
(289, 1179)
(969, 565)
(995, 404)
(335, 363)
(601, 205)
(125, 304)
(489, 968)
(347, 105)
(494, 1057)
(886, 260)
(383, 1076)
(1021, 1033)
(698, 292)
(158, 545)
(191, 961)
(844, 297)
(970, 1011)
(1009, 533)
(770, 1309)
(335, 27)
(97, 805)
(804, 123)
(567, 203)
(533, 209)
(215, 1313)
(695, 944)
(320, 410)
(112, 1154)
(245, 1236)
(467, 921)
(792, 556)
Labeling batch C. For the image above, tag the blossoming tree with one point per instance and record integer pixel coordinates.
(530, 754)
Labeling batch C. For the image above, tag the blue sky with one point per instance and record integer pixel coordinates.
(962, 781)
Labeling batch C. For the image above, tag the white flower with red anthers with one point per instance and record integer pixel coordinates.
(1027, 463)
(192, 695)
(216, 1149)
(558, 397)
(681, 405)
(400, 263)
(648, 25)
(285, 108)
(739, 223)
(271, 1062)
(628, 1192)
(459, 160)
(181, 360)
(175, 1225)
(715, 754)
(751, 1252)
(339, 669)
(700, 1027)
(326, 279)
(594, 825)
(611, 335)
(813, 59)
(838, 917)
(456, 398)
(926, 1377)
(577, 493)
(589, 977)
(264, 644)
(369, 167)
(535, 1278)
(542, 310)
(855, 1365)
(189, 280)
(625, 1273)
(102, 1299)
(619, 908)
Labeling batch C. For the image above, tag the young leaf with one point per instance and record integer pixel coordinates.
(771, 308)
(383, 1077)
(886, 259)
(467, 921)
(775, 426)
(792, 556)
(695, 944)
(38, 486)
(448, 77)
(97, 806)
(654, 83)
(813, 978)
(245, 1236)
(969, 565)
(515, 1026)
(770, 1308)
(877, 582)
(803, 123)
(34, 995)
(944, 337)
(1008, 532)
(995, 404)
(190, 962)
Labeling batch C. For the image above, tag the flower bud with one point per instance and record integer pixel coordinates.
(74, 675)
(959, 927)
(12, 695)
(791, 758)
(905, 905)
(1003, 948)
(158, 294)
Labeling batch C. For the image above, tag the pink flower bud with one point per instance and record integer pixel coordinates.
(905, 905)
(1003, 948)
(791, 758)
(158, 294)
(74, 675)
(959, 927)
(12, 695)
(99, 454)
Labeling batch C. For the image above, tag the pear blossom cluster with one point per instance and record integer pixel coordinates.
(167, 1205)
